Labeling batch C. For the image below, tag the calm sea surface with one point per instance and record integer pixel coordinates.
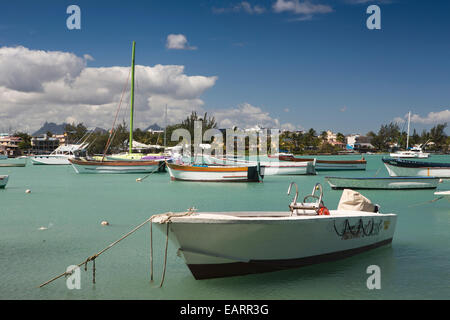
(71, 207)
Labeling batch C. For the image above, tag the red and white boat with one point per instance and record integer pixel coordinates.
(215, 173)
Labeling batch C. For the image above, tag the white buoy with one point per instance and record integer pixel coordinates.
(28, 191)
(42, 228)
(139, 179)
(105, 223)
(440, 180)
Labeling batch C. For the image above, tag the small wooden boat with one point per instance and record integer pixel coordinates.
(323, 165)
(215, 173)
(445, 194)
(3, 181)
(118, 166)
(407, 168)
(391, 183)
(223, 244)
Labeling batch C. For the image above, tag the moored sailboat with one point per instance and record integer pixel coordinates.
(215, 173)
(124, 165)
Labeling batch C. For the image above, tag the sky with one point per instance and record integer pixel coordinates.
(288, 64)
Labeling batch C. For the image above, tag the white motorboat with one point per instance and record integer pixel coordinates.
(445, 194)
(221, 244)
(415, 152)
(215, 173)
(410, 154)
(3, 181)
(60, 156)
(407, 168)
(389, 183)
(272, 167)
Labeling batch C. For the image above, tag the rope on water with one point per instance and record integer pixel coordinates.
(92, 258)
(157, 169)
(165, 218)
(426, 202)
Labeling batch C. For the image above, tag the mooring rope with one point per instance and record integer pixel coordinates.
(168, 219)
(165, 218)
(157, 169)
(426, 202)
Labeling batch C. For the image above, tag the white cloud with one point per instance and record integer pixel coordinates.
(306, 9)
(178, 42)
(246, 116)
(343, 109)
(243, 6)
(38, 86)
(430, 118)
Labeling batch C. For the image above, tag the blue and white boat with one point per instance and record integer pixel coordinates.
(408, 168)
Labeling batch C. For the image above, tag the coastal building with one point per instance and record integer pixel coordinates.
(44, 144)
(10, 145)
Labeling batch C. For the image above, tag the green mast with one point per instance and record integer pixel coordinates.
(132, 101)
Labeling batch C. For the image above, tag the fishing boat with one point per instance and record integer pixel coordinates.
(407, 168)
(127, 164)
(445, 194)
(215, 173)
(272, 167)
(3, 181)
(60, 156)
(121, 166)
(326, 165)
(223, 244)
(415, 152)
(385, 183)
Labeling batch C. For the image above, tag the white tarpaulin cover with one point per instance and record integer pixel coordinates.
(352, 200)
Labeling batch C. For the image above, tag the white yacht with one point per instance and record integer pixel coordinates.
(415, 152)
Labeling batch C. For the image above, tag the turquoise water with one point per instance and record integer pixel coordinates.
(71, 206)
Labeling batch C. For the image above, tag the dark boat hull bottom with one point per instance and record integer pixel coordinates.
(209, 271)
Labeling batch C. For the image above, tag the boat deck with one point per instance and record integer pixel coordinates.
(267, 216)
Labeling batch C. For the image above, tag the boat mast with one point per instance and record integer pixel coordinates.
(407, 137)
(132, 100)
(165, 126)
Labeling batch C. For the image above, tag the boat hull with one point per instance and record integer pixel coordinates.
(406, 168)
(330, 165)
(214, 173)
(3, 181)
(275, 167)
(392, 183)
(50, 160)
(82, 166)
(222, 246)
